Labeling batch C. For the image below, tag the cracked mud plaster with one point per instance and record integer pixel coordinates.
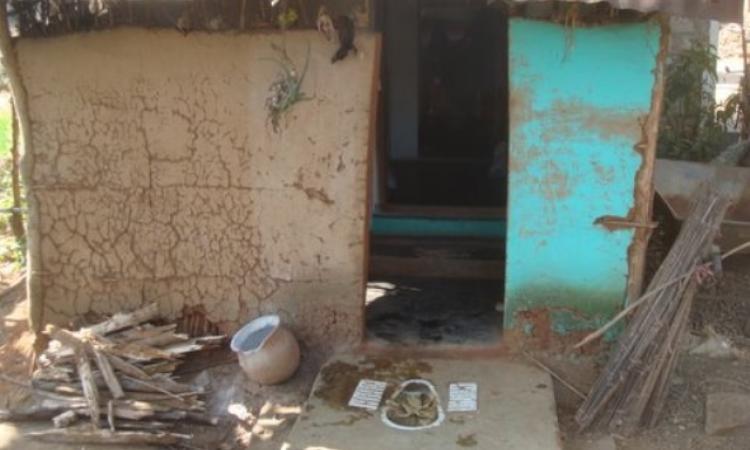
(157, 178)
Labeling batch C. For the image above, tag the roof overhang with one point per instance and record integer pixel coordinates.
(720, 10)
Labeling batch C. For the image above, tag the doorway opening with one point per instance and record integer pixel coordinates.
(437, 244)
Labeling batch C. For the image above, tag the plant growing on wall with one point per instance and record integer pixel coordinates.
(286, 89)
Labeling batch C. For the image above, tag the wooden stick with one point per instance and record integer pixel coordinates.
(90, 391)
(154, 387)
(554, 375)
(598, 333)
(111, 415)
(137, 352)
(88, 436)
(128, 368)
(33, 413)
(65, 419)
(108, 373)
(66, 338)
(630, 389)
(124, 320)
(142, 425)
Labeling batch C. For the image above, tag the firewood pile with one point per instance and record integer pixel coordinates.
(114, 382)
(631, 390)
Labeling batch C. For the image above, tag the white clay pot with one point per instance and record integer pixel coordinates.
(267, 351)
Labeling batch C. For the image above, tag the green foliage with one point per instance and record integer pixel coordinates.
(11, 250)
(692, 127)
(5, 132)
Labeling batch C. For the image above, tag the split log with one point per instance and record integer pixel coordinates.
(108, 373)
(53, 373)
(161, 367)
(129, 410)
(128, 368)
(65, 419)
(51, 400)
(57, 388)
(111, 415)
(82, 436)
(191, 397)
(125, 320)
(201, 418)
(90, 391)
(135, 352)
(31, 413)
(158, 384)
(66, 338)
(150, 425)
(143, 331)
(163, 339)
(193, 345)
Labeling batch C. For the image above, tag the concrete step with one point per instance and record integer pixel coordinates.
(516, 406)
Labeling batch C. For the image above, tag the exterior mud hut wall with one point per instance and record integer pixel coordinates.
(156, 177)
(585, 104)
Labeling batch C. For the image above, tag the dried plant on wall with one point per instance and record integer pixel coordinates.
(286, 90)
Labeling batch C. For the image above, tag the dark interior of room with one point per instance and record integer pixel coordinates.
(462, 97)
(437, 264)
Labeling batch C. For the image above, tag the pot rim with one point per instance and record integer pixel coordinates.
(272, 320)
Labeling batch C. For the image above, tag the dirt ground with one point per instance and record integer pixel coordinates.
(724, 308)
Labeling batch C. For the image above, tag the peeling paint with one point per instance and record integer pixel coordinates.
(579, 112)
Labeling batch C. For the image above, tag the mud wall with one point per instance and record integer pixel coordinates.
(156, 177)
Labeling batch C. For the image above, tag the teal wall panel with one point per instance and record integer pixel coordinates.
(578, 98)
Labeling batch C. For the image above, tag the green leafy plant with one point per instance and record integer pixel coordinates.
(691, 128)
(12, 248)
(286, 90)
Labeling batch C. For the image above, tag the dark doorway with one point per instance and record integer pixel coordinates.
(446, 104)
(438, 229)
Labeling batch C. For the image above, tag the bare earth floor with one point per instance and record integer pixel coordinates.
(429, 311)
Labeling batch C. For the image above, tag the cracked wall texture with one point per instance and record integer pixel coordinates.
(157, 177)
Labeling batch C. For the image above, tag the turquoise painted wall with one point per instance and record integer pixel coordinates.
(577, 98)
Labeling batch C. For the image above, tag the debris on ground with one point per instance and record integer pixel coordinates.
(716, 345)
(631, 389)
(119, 376)
(727, 412)
(597, 442)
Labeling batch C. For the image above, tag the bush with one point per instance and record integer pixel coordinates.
(692, 126)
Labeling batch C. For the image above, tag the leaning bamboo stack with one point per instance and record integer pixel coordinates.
(117, 378)
(630, 391)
